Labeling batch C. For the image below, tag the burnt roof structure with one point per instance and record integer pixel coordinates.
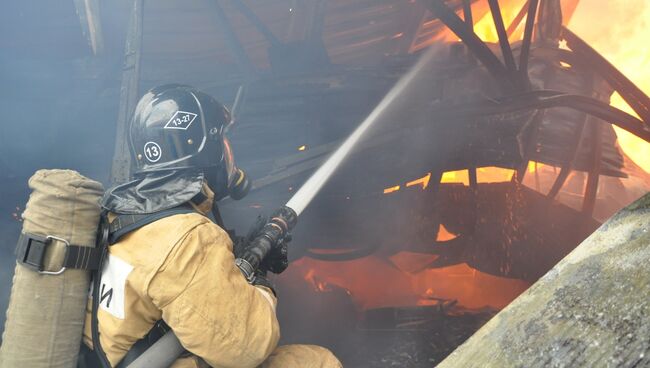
(306, 74)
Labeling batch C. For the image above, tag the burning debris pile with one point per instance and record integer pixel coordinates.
(472, 196)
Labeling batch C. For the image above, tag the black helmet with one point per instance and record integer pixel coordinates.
(177, 127)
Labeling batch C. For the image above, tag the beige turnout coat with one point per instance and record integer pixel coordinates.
(181, 269)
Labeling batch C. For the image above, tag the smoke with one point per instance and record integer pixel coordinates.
(307, 192)
(58, 107)
(620, 34)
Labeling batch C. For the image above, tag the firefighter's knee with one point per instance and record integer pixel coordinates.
(303, 356)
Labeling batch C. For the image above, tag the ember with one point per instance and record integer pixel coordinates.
(423, 181)
(391, 189)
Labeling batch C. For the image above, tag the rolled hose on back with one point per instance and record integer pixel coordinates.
(46, 310)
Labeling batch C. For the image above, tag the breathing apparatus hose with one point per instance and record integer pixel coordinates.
(102, 238)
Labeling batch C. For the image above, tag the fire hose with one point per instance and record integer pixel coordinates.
(166, 350)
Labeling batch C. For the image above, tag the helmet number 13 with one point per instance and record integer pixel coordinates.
(152, 151)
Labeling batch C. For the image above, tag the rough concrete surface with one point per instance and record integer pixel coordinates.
(591, 310)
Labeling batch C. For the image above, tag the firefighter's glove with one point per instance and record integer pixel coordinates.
(241, 243)
(247, 249)
(252, 258)
(277, 260)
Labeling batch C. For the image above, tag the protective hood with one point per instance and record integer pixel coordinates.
(156, 191)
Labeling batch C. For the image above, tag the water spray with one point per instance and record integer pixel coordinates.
(165, 351)
(313, 185)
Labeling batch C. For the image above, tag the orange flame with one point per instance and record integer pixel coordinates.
(444, 234)
(490, 174)
(391, 287)
(622, 40)
(391, 189)
(423, 181)
(485, 29)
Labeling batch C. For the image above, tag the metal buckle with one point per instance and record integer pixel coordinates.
(32, 254)
(246, 269)
(49, 239)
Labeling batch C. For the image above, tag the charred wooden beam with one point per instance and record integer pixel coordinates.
(91, 25)
(415, 15)
(517, 20)
(542, 99)
(559, 181)
(474, 43)
(473, 182)
(591, 189)
(473, 186)
(233, 41)
(506, 50)
(467, 13)
(549, 22)
(528, 146)
(528, 38)
(257, 22)
(293, 165)
(568, 164)
(632, 94)
(129, 94)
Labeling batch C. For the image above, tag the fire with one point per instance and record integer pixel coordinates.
(371, 282)
(395, 278)
(623, 41)
(315, 282)
(490, 174)
(485, 28)
(423, 181)
(391, 189)
(459, 176)
(444, 234)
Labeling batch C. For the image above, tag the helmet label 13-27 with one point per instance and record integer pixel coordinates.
(152, 151)
(180, 120)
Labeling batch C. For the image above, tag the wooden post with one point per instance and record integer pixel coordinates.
(246, 65)
(129, 94)
(591, 189)
(91, 25)
(506, 50)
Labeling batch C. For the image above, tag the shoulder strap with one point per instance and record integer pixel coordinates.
(124, 224)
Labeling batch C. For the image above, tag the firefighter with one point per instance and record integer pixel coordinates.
(168, 264)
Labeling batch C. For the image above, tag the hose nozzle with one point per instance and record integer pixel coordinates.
(275, 230)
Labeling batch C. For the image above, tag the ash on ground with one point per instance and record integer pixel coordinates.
(411, 337)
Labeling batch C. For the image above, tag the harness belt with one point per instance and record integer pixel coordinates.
(120, 226)
(31, 250)
(124, 224)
